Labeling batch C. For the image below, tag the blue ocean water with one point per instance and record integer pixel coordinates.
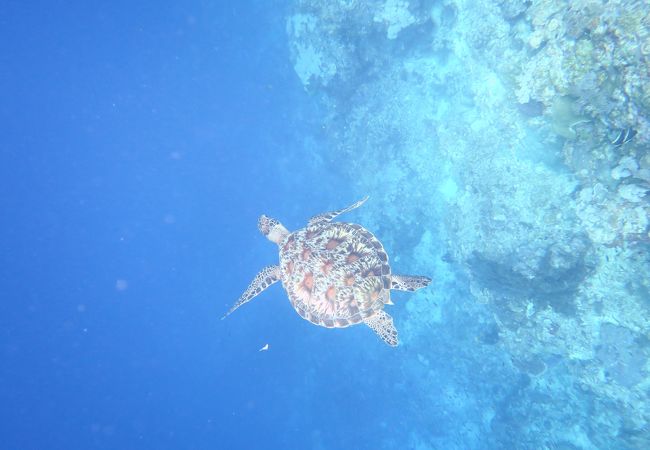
(504, 149)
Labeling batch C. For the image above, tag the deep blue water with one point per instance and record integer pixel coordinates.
(139, 144)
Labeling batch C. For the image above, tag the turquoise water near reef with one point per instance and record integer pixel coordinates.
(504, 149)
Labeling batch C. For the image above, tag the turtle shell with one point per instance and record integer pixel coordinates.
(336, 274)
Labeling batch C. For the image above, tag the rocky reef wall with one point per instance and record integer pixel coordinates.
(507, 142)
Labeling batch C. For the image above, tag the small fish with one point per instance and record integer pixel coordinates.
(265, 348)
(623, 137)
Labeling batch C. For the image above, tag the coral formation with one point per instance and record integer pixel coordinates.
(509, 116)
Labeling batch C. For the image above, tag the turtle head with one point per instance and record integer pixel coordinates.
(272, 229)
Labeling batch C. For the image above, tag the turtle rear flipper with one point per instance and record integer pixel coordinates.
(408, 282)
(329, 216)
(382, 324)
(262, 280)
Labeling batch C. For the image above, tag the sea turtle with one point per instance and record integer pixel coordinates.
(336, 274)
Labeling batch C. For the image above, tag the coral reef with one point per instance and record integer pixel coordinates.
(333, 44)
(512, 118)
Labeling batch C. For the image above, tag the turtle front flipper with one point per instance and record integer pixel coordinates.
(262, 280)
(329, 216)
(408, 282)
(382, 324)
